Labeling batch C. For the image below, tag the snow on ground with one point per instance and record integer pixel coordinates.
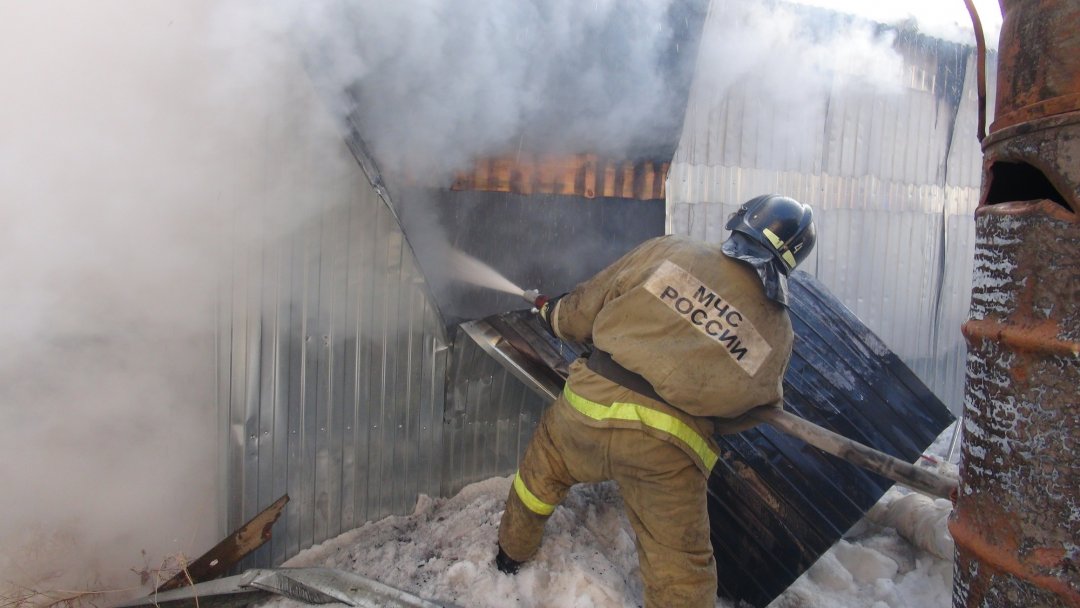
(445, 549)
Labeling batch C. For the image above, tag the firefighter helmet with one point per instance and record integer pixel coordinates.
(783, 225)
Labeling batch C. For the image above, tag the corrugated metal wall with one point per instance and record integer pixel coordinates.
(490, 416)
(894, 180)
(338, 382)
(332, 367)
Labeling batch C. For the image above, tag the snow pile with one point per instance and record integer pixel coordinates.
(878, 569)
(444, 551)
(899, 556)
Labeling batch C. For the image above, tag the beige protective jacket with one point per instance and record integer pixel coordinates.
(693, 322)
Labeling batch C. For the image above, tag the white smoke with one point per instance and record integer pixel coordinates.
(774, 67)
(141, 158)
(945, 20)
(439, 82)
(145, 148)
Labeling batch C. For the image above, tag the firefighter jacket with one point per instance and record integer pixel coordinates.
(693, 322)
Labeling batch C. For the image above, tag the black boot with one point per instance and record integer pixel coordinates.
(505, 564)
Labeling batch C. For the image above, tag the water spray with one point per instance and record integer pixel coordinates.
(471, 270)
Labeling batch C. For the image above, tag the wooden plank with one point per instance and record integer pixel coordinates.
(230, 551)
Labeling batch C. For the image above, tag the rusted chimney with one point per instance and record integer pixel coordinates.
(1017, 517)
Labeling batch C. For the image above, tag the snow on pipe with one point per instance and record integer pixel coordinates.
(921, 520)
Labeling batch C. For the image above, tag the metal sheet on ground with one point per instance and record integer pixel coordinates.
(776, 504)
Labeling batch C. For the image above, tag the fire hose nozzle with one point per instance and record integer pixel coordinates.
(534, 297)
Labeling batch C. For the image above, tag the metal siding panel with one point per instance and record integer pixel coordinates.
(426, 422)
(338, 334)
(513, 397)
(295, 511)
(908, 126)
(920, 138)
(347, 515)
(442, 364)
(696, 221)
(478, 395)
(349, 334)
(368, 356)
(309, 374)
(332, 368)
(381, 450)
(496, 422)
(490, 425)
(451, 421)
(494, 415)
(730, 130)
(437, 396)
(223, 383)
(250, 393)
(929, 143)
(413, 391)
(849, 131)
(922, 235)
(397, 350)
(428, 455)
(406, 433)
(471, 375)
(238, 365)
(282, 346)
(321, 378)
(261, 438)
(903, 304)
(876, 133)
(270, 410)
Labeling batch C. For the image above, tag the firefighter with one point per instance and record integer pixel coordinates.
(687, 337)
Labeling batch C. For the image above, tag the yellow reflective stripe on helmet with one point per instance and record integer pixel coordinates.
(647, 416)
(530, 500)
(775, 240)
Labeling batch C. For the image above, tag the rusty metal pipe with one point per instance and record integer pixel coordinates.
(1016, 523)
(980, 66)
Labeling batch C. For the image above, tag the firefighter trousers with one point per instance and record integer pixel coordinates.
(663, 489)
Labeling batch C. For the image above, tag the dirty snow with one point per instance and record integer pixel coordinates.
(444, 550)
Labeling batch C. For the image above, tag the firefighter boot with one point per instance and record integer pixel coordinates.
(505, 564)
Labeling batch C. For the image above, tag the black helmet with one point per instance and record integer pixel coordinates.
(783, 225)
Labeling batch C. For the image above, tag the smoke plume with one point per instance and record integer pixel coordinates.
(143, 154)
(435, 83)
